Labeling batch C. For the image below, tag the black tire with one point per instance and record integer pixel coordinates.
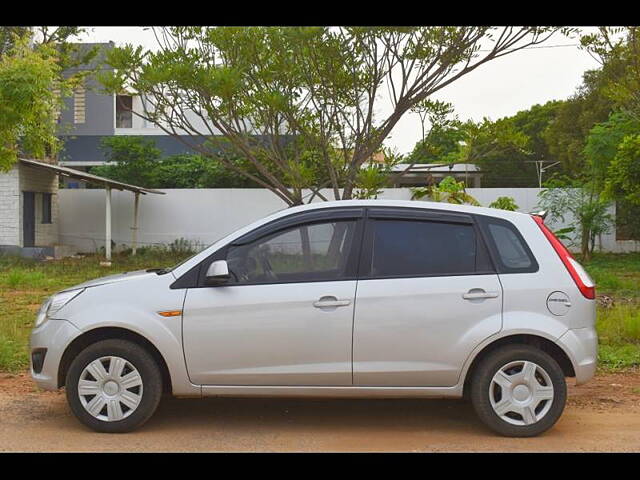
(143, 362)
(481, 383)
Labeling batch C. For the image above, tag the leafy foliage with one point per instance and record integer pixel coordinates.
(590, 216)
(500, 150)
(27, 102)
(137, 160)
(504, 203)
(623, 174)
(442, 142)
(603, 144)
(31, 90)
(448, 190)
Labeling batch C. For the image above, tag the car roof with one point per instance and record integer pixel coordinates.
(494, 212)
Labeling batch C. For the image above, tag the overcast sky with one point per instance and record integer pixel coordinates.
(496, 89)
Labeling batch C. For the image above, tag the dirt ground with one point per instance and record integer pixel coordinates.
(603, 415)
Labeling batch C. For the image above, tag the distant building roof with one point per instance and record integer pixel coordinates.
(438, 167)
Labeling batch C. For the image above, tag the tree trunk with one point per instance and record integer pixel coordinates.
(584, 245)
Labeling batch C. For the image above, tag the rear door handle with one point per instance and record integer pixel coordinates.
(325, 302)
(474, 295)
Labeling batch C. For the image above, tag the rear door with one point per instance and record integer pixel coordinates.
(427, 295)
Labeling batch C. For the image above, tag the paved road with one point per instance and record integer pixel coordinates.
(601, 416)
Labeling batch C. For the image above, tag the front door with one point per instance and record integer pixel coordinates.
(28, 219)
(428, 296)
(285, 318)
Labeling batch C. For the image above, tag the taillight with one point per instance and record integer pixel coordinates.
(577, 272)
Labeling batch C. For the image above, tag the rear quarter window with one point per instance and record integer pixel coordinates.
(508, 247)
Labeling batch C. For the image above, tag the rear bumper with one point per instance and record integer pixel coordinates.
(52, 336)
(581, 344)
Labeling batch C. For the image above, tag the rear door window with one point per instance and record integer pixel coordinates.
(413, 248)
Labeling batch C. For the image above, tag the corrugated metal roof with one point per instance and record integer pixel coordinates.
(439, 167)
(87, 177)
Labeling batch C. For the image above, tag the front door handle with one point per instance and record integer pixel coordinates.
(475, 294)
(325, 302)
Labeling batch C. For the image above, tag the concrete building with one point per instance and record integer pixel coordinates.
(29, 212)
(90, 114)
(29, 208)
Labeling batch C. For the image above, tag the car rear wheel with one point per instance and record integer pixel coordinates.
(113, 386)
(518, 391)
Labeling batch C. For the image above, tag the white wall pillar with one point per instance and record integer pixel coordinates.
(107, 236)
(134, 235)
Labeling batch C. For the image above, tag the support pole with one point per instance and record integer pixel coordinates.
(107, 240)
(134, 235)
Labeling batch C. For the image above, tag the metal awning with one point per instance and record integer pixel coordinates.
(89, 178)
(108, 185)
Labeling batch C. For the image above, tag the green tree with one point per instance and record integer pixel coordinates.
(589, 212)
(592, 103)
(618, 50)
(501, 152)
(31, 89)
(441, 143)
(195, 171)
(130, 159)
(288, 99)
(623, 174)
(533, 123)
(137, 160)
(28, 103)
(603, 143)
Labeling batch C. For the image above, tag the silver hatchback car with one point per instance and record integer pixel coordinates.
(362, 298)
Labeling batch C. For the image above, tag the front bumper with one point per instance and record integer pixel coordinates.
(54, 336)
(581, 344)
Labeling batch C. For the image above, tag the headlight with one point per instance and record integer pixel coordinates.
(55, 303)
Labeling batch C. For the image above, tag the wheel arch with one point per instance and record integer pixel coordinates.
(548, 346)
(104, 333)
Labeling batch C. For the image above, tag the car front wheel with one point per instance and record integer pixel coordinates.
(113, 386)
(518, 391)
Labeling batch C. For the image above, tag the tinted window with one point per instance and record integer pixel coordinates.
(415, 248)
(311, 252)
(510, 248)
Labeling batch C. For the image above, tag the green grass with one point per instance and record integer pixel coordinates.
(619, 324)
(618, 356)
(24, 284)
(618, 276)
(20, 278)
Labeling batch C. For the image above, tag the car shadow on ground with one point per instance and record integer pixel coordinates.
(317, 414)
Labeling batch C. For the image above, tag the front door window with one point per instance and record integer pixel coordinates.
(310, 252)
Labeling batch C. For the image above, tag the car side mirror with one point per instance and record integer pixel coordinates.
(217, 273)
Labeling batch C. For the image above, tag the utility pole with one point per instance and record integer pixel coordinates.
(540, 168)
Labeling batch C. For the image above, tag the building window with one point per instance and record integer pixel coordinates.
(124, 116)
(79, 104)
(46, 208)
